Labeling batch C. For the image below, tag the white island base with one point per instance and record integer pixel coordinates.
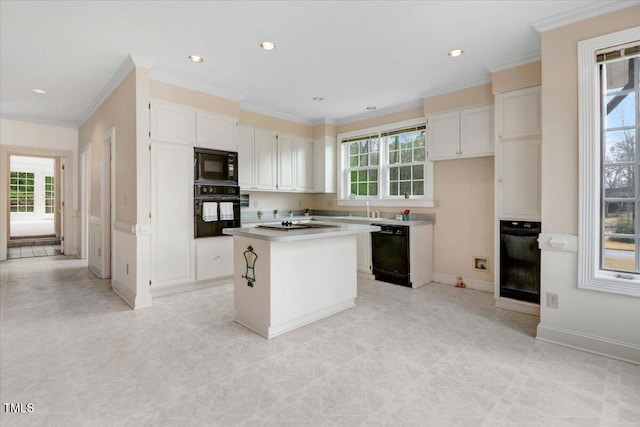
(296, 282)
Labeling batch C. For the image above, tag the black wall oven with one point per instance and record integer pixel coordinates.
(520, 260)
(215, 207)
(215, 167)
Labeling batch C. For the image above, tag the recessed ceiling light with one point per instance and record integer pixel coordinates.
(195, 58)
(318, 98)
(371, 108)
(268, 45)
(455, 52)
(40, 91)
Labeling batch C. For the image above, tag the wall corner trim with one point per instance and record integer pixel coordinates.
(625, 352)
(127, 66)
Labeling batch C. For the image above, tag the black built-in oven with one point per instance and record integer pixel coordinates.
(520, 260)
(215, 207)
(215, 167)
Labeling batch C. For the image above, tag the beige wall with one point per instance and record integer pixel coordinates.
(263, 121)
(193, 98)
(476, 95)
(526, 75)
(399, 116)
(119, 111)
(583, 313)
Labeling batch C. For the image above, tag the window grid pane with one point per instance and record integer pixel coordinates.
(406, 153)
(49, 194)
(363, 160)
(620, 206)
(21, 192)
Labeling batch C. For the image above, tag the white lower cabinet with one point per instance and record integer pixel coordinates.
(171, 214)
(214, 258)
(364, 253)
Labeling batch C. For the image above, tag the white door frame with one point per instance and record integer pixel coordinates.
(85, 200)
(6, 151)
(107, 204)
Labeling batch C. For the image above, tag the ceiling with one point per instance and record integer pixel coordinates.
(354, 54)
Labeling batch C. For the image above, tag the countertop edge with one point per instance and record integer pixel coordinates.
(293, 235)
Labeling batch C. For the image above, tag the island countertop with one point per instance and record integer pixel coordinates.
(302, 234)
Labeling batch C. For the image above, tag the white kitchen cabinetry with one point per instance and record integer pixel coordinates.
(286, 162)
(214, 258)
(461, 134)
(518, 154)
(171, 214)
(172, 123)
(303, 165)
(216, 131)
(518, 114)
(246, 158)
(363, 257)
(324, 167)
(265, 146)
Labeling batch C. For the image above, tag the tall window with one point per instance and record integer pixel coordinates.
(387, 166)
(49, 195)
(21, 192)
(364, 158)
(406, 161)
(609, 91)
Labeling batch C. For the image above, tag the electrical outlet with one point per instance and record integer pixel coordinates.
(552, 300)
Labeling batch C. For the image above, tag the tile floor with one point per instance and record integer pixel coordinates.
(434, 356)
(33, 251)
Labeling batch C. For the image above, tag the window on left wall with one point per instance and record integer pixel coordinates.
(21, 192)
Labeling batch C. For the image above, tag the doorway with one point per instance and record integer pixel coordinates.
(35, 206)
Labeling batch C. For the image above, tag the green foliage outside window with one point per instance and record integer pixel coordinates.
(21, 192)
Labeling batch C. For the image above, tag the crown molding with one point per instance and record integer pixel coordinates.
(125, 68)
(580, 14)
(379, 113)
(189, 84)
(455, 87)
(525, 59)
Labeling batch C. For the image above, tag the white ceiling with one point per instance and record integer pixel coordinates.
(388, 54)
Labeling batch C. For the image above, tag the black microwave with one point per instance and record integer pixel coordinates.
(216, 166)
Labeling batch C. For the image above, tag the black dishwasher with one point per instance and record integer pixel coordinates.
(390, 254)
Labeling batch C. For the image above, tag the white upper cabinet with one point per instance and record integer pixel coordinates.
(461, 133)
(476, 131)
(304, 165)
(324, 165)
(518, 113)
(216, 131)
(518, 154)
(286, 162)
(443, 135)
(246, 159)
(172, 123)
(265, 148)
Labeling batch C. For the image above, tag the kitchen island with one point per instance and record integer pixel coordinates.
(284, 279)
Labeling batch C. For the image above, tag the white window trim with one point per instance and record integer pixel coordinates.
(590, 276)
(380, 200)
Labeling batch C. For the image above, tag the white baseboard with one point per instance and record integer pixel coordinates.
(124, 293)
(274, 331)
(367, 276)
(478, 285)
(189, 286)
(520, 306)
(597, 345)
(95, 269)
